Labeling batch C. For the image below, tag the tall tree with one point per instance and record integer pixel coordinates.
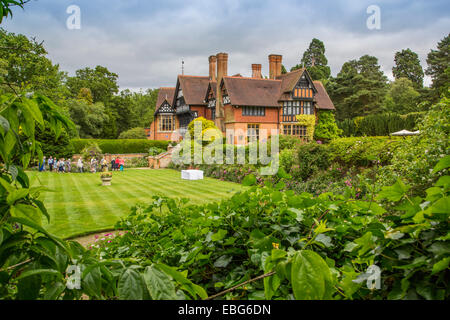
(89, 117)
(133, 109)
(407, 65)
(23, 63)
(101, 82)
(315, 61)
(439, 67)
(359, 88)
(402, 97)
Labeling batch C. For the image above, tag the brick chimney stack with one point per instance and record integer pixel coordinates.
(222, 71)
(256, 71)
(212, 68)
(275, 65)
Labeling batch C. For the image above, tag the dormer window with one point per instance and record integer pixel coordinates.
(212, 103)
(226, 100)
(303, 89)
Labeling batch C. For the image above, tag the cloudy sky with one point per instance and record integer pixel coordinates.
(145, 41)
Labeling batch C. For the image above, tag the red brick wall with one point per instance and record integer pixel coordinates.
(155, 135)
(270, 117)
(201, 110)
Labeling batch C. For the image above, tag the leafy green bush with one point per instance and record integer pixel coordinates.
(326, 128)
(312, 157)
(55, 147)
(416, 156)
(205, 125)
(288, 157)
(134, 133)
(298, 242)
(120, 146)
(363, 151)
(91, 151)
(288, 142)
(136, 162)
(154, 151)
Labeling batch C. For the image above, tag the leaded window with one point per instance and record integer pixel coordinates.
(166, 123)
(253, 111)
(252, 132)
(295, 130)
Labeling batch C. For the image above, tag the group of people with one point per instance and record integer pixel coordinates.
(117, 164)
(65, 165)
(54, 164)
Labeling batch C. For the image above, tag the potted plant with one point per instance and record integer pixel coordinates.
(106, 178)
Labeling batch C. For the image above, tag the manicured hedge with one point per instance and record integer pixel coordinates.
(379, 124)
(120, 145)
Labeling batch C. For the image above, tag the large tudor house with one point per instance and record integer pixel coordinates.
(243, 105)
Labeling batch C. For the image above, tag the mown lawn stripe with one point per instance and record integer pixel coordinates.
(80, 204)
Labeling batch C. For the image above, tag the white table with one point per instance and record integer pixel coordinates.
(192, 174)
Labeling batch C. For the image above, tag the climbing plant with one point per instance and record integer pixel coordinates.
(309, 121)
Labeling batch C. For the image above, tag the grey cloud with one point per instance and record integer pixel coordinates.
(144, 42)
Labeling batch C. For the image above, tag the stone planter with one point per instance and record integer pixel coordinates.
(106, 181)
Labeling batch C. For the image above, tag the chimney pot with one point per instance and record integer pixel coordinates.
(256, 71)
(212, 68)
(275, 65)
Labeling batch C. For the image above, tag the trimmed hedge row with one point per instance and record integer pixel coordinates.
(120, 146)
(379, 124)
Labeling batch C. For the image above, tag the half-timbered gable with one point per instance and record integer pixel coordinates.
(164, 123)
(298, 93)
(189, 99)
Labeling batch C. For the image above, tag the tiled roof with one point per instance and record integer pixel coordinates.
(290, 79)
(252, 91)
(322, 98)
(165, 94)
(194, 89)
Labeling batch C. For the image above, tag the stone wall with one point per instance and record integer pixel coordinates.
(108, 156)
(161, 160)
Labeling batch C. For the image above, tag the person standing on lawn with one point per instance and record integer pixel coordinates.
(103, 164)
(61, 165)
(80, 165)
(92, 165)
(42, 165)
(122, 164)
(68, 165)
(113, 164)
(50, 164)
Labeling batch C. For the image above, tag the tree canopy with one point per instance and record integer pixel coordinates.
(24, 63)
(135, 133)
(315, 61)
(101, 82)
(359, 88)
(402, 97)
(439, 67)
(407, 65)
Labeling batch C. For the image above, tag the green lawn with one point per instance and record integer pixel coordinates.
(79, 204)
